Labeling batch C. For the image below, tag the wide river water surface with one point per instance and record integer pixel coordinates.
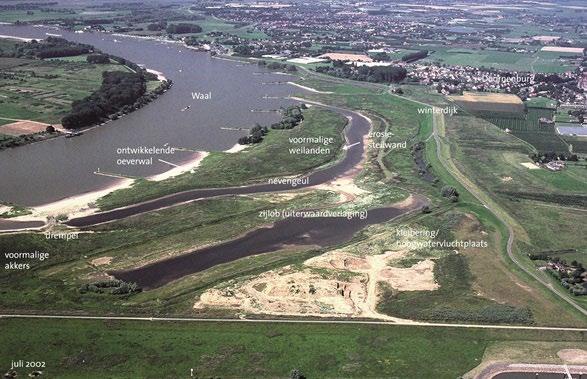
(61, 167)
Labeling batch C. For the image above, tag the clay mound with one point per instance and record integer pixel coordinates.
(577, 356)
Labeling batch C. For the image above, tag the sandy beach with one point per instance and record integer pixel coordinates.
(18, 38)
(159, 74)
(83, 204)
(310, 89)
(189, 165)
(236, 148)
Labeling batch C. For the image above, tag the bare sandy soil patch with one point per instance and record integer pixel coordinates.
(289, 292)
(488, 97)
(419, 277)
(236, 148)
(23, 127)
(530, 165)
(573, 355)
(335, 284)
(101, 261)
(344, 186)
(309, 89)
(561, 49)
(189, 165)
(347, 57)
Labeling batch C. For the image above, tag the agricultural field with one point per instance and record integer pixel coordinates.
(43, 90)
(534, 198)
(489, 102)
(531, 61)
(541, 102)
(35, 15)
(213, 24)
(521, 118)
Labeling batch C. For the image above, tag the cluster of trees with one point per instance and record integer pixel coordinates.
(7, 141)
(51, 47)
(424, 168)
(157, 26)
(579, 113)
(292, 117)
(381, 56)
(296, 374)
(571, 276)
(256, 135)
(570, 200)
(376, 74)
(113, 287)
(98, 59)
(545, 255)
(450, 193)
(552, 156)
(117, 90)
(278, 66)
(412, 57)
(245, 50)
(183, 28)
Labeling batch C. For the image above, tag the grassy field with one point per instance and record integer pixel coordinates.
(214, 24)
(534, 62)
(458, 298)
(527, 126)
(36, 15)
(579, 144)
(122, 349)
(267, 159)
(43, 90)
(53, 285)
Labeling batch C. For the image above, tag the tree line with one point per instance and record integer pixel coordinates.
(98, 59)
(183, 28)
(278, 66)
(51, 47)
(291, 117)
(117, 90)
(376, 74)
(412, 57)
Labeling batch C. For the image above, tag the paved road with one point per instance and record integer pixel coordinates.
(292, 321)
